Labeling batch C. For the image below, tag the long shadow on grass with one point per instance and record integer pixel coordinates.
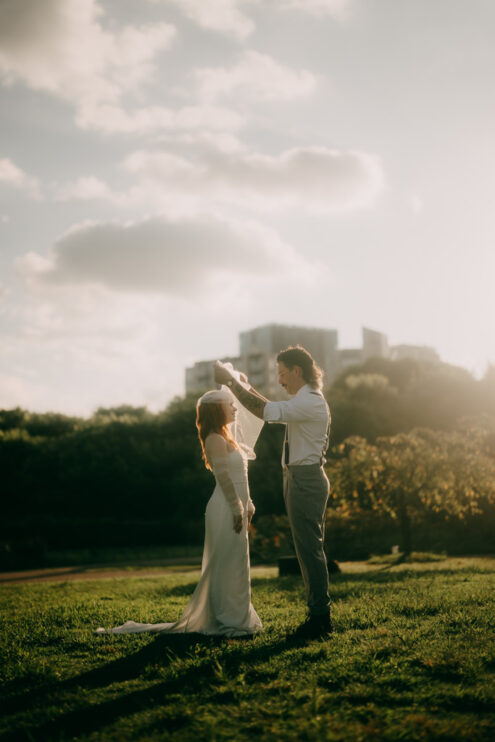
(162, 651)
(199, 678)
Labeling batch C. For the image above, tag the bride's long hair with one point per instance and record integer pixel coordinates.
(211, 418)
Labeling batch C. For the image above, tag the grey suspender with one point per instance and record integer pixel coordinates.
(286, 446)
(323, 460)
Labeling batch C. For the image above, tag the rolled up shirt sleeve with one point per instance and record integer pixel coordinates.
(296, 409)
(272, 412)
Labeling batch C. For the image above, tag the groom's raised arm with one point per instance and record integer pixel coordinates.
(250, 398)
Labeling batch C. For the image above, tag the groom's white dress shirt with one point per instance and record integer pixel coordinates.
(307, 417)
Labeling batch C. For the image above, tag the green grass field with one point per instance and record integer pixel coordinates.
(412, 658)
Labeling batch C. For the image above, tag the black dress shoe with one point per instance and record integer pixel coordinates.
(314, 627)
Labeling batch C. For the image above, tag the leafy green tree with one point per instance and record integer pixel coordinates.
(487, 390)
(412, 474)
(12, 419)
(122, 413)
(364, 404)
(382, 397)
(126, 473)
(49, 424)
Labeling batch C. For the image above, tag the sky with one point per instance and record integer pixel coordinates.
(173, 172)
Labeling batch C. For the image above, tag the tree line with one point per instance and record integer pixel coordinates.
(412, 444)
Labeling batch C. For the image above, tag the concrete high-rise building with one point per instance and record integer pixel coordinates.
(375, 344)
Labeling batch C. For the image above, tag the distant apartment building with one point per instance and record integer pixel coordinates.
(374, 345)
(259, 348)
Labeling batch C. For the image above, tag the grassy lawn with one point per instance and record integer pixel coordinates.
(412, 658)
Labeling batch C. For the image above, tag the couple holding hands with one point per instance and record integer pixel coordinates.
(221, 603)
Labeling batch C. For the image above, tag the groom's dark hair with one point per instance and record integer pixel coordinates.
(296, 355)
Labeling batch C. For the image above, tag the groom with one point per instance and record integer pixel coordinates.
(307, 420)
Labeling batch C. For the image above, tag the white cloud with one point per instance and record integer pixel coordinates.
(85, 188)
(311, 178)
(225, 16)
(177, 258)
(64, 48)
(335, 8)
(61, 47)
(203, 142)
(115, 119)
(228, 16)
(256, 76)
(12, 176)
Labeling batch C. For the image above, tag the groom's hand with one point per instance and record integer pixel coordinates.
(222, 375)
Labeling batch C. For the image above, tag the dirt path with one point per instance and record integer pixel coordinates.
(161, 567)
(101, 572)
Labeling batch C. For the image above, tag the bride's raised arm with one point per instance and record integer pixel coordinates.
(250, 398)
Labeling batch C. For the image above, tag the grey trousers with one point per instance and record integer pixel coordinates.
(306, 490)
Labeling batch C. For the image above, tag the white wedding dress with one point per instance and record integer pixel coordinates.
(221, 603)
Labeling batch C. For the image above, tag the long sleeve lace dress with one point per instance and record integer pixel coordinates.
(221, 603)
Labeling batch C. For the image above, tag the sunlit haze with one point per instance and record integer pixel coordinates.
(173, 172)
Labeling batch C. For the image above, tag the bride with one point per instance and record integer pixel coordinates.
(221, 603)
